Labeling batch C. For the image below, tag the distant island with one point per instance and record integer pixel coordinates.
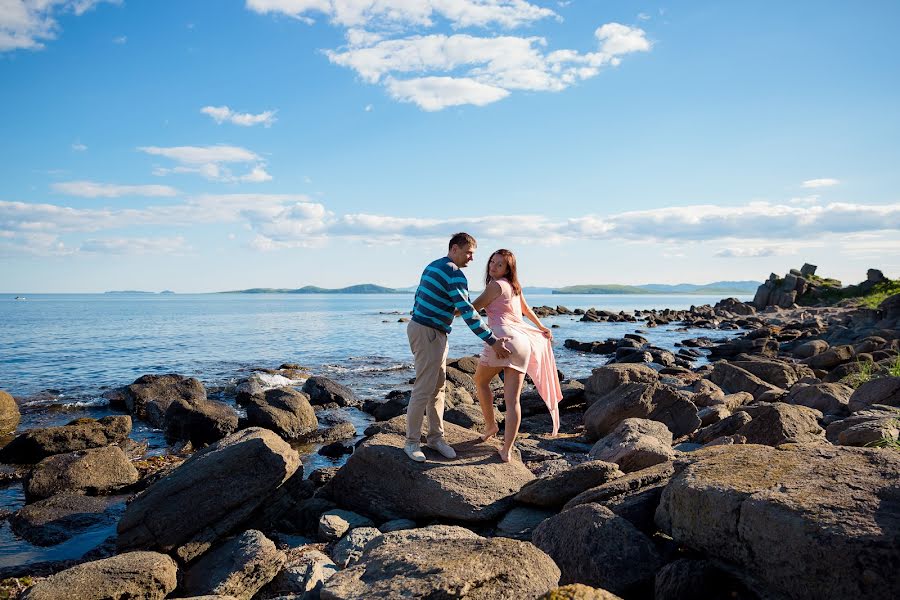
(364, 288)
(717, 287)
(138, 292)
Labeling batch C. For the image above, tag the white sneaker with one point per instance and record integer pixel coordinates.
(443, 447)
(414, 452)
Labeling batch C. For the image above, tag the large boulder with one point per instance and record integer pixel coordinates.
(778, 373)
(642, 401)
(381, 481)
(830, 358)
(9, 413)
(635, 444)
(594, 546)
(780, 423)
(605, 379)
(200, 421)
(556, 490)
(727, 426)
(190, 509)
(81, 434)
(760, 508)
(468, 567)
(578, 591)
(285, 411)
(828, 398)
(134, 575)
(149, 397)
(303, 575)
(322, 390)
(735, 379)
(239, 567)
(882, 390)
(93, 471)
(58, 518)
(810, 348)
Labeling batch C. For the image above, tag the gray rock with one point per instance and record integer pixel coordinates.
(149, 396)
(834, 429)
(556, 490)
(489, 569)
(382, 481)
(55, 519)
(882, 390)
(322, 390)
(635, 444)
(239, 567)
(578, 591)
(828, 398)
(642, 401)
(93, 471)
(780, 423)
(759, 508)
(727, 426)
(830, 358)
(605, 379)
(350, 547)
(303, 576)
(396, 525)
(81, 434)
(594, 546)
(190, 509)
(199, 420)
(519, 523)
(778, 373)
(870, 432)
(624, 486)
(713, 414)
(810, 348)
(9, 413)
(285, 411)
(134, 575)
(735, 379)
(335, 523)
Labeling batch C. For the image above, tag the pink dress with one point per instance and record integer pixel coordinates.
(530, 351)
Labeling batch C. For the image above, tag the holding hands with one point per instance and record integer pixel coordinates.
(500, 348)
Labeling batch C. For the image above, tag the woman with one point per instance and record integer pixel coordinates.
(531, 351)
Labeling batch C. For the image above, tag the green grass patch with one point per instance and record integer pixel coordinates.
(894, 369)
(865, 372)
(887, 442)
(874, 297)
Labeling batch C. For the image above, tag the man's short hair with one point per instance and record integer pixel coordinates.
(461, 239)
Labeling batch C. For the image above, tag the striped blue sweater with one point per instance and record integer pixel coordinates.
(443, 289)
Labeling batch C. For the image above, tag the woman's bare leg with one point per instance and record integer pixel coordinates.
(483, 376)
(512, 387)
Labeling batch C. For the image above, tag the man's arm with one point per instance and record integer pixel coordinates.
(459, 294)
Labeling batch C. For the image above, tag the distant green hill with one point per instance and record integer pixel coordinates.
(601, 289)
(716, 287)
(363, 288)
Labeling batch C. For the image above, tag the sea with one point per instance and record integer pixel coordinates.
(60, 353)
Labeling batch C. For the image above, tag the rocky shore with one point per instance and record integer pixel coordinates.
(772, 471)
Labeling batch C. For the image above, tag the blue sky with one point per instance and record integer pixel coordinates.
(200, 146)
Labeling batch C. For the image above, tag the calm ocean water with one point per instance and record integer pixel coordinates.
(59, 353)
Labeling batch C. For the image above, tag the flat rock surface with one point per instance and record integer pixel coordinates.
(808, 521)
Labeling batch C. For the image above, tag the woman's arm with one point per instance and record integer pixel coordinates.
(490, 293)
(526, 310)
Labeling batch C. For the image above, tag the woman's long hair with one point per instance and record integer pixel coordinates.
(511, 276)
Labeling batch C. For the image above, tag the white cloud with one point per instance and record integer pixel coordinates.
(480, 70)
(749, 252)
(27, 24)
(220, 114)
(79, 147)
(173, 245)
(369, 108)
(122, 39)
(209, 162)
(819, 183)
(391, 14)
(91, 189)
(437, 93)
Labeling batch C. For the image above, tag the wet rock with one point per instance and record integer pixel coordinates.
(134, 575)
(285, 411)
(759, 508)
(149, 396)
(394, 405)
(199, 421)
(9, 413)
(239, 567)
(780, 423)
(380, 480)
(81, 434)
(495, 567)
(190, 509)
(635, 444)
(93, 471)
(322, 390)
(54, 520)
(556, 490)
(594, 546)
(883, 390)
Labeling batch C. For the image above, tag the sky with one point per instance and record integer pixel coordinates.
(201, 146)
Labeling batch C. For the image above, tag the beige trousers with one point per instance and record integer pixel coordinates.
(429, 347)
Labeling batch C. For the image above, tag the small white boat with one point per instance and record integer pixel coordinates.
(20, 297)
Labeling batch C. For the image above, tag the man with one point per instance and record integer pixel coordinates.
(443, 289)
